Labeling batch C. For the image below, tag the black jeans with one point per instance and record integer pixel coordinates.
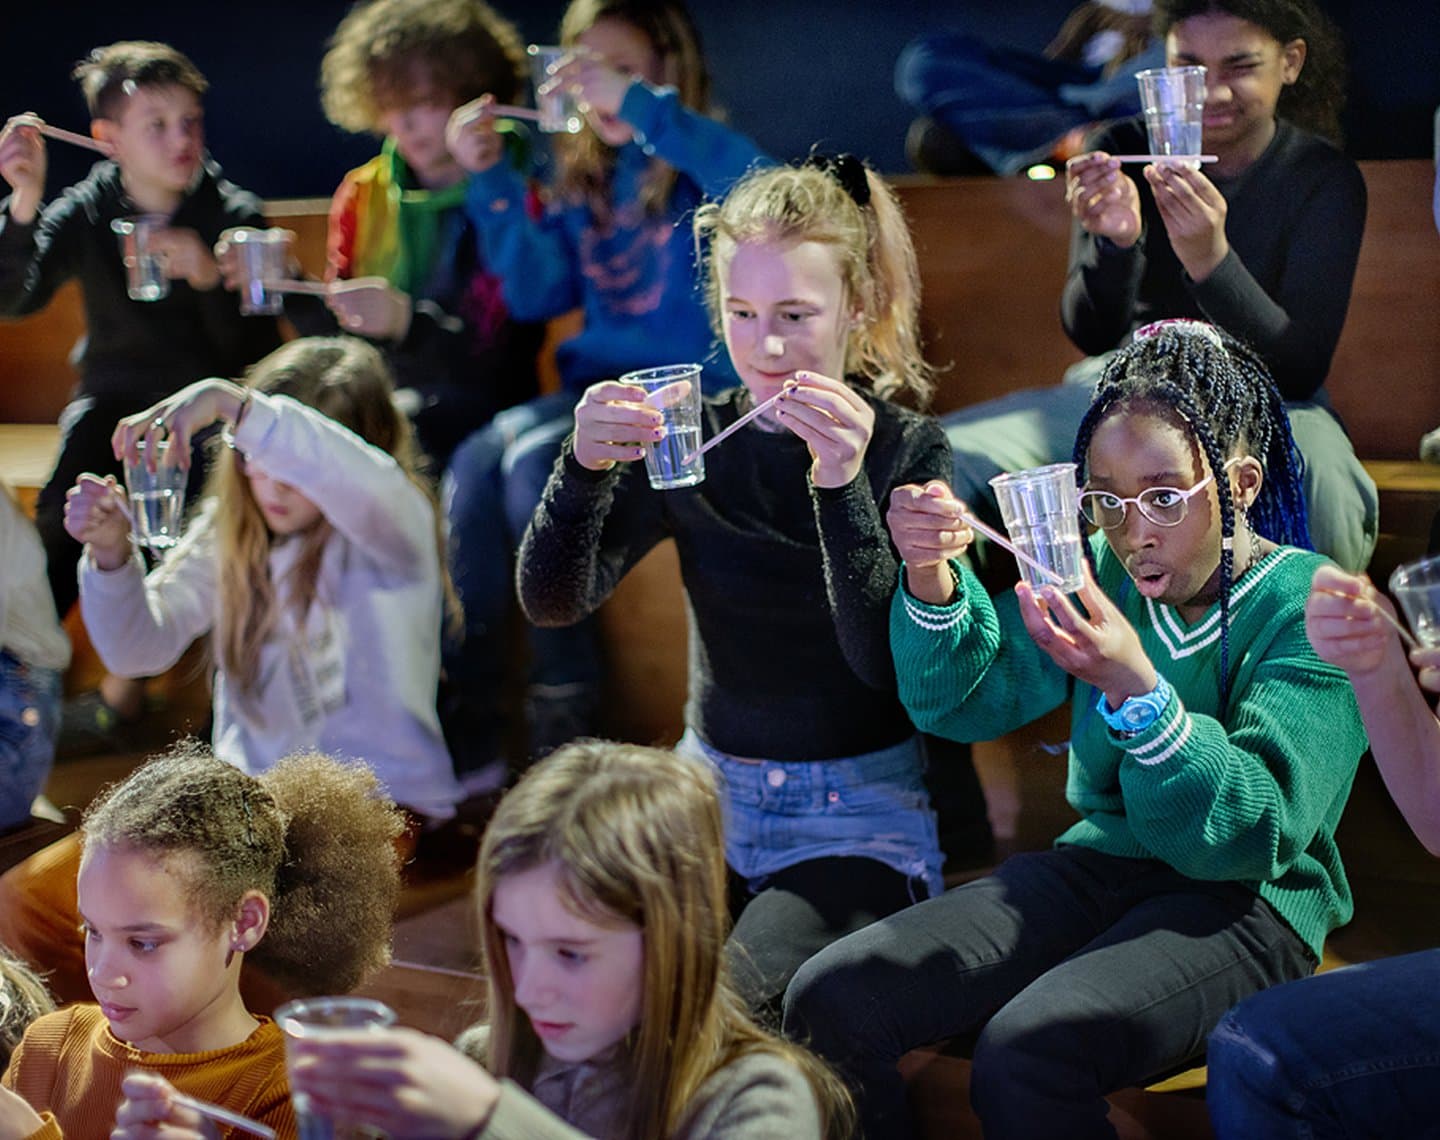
(798, 912)
(1081, 973)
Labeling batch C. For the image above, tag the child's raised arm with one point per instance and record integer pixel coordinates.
(1346, 629)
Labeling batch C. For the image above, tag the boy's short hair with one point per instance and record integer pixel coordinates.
(465, 47)
(109, 74)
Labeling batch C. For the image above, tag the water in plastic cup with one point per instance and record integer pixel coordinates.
(145, 278)
(559, 111)
(264, 256)
(312, 1018)
(1041, 509)
(674, 460)
(1416, 586)
(157, 499)
(1173, 99)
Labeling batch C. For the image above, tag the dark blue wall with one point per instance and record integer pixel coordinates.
(790, 72)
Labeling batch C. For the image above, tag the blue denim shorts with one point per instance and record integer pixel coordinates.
(780, 813)
(29, 722)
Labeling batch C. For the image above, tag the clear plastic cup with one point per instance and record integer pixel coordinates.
(1416, 586)
(1041, 510)
(675, 459)
(145, 277)
(314, 1017)
(157, 499)
(264, 256)
(560, 112)
(1173, 99)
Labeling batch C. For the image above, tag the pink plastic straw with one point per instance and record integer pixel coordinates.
(224, 1115)
(60, 134)
(758, 409)
(1000, 540)
(1166, 157)
(1405, 635)
(507, 111)
(314, 288)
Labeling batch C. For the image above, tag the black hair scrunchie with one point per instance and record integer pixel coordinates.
(847, 170)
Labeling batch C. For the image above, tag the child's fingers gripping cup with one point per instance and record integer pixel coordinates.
(559, 109)
(264, 257)
(675, 459)
(311, 1019)
(157, 498)
(1041, 511)
(1416, 586)
(145, 276)
(1173, 99)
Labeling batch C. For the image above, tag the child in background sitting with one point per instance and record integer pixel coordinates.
(1211, 754)
(190, 868)
(315, 561)
(616, 243)
(406, 269)
(33, 653)
(787, 567)
(145, 107)
(602, 895)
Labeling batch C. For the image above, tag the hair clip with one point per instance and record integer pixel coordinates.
(847, 170)
(1184, 325)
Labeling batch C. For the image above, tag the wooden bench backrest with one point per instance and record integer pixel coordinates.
(992, 257)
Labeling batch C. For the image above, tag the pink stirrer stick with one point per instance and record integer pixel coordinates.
(1000, 540)
(758, 409)
(60, 134)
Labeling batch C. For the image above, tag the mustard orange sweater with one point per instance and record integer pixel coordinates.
(69, 1068)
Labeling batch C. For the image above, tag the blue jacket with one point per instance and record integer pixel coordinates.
(637, 279)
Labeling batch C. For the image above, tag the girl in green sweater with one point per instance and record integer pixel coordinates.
(1211, 754)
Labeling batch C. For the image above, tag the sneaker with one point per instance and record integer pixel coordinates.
(88, 725)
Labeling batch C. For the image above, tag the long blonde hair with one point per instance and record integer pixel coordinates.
(584, 163)
(818, 202)
(348, 380)
(636, 834)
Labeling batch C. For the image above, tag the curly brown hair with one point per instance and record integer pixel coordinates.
(385, 51)
(315, 836)
(23, 998)
(104, 73)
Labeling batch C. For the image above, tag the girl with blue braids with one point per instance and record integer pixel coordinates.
(1211, 754)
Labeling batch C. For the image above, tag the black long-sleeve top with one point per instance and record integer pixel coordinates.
(1294, 222)
(139, 349)
(788, 585)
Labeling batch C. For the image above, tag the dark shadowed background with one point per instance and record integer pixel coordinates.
(789, 72)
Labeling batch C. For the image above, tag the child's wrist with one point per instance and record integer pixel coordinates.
(25, 206)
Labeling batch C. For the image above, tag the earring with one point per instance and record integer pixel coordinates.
(1254, 538)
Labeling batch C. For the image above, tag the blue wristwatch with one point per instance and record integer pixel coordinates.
(1138, 713)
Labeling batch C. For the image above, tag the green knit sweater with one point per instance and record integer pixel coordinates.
(1249, 793)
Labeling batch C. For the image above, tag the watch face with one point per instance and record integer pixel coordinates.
(1138, 714)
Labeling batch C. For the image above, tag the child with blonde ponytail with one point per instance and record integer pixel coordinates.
(786, 563)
